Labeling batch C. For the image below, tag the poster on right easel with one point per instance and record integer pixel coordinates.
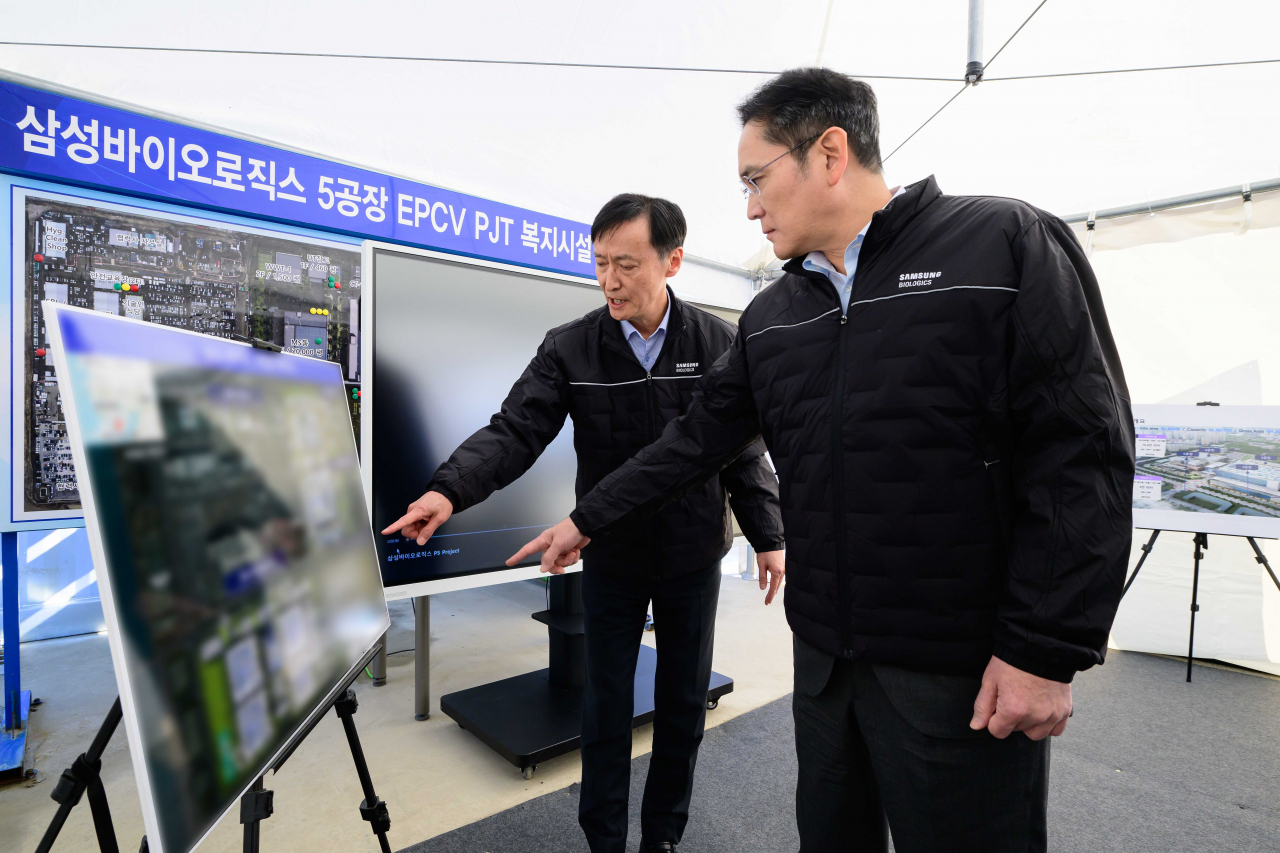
(1208, 469)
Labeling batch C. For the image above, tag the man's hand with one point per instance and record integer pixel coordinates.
(422, 517)
(561, 546)
(1015, 701)
(772, 566)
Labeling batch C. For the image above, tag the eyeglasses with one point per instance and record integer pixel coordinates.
(749, 187)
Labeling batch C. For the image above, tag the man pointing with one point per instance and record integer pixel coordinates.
(622, 373)
(937, 384)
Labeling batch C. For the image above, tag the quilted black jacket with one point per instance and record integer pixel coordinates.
(586, 371)
(955, 452)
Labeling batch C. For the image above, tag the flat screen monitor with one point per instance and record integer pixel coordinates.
(444, 340)
(1208, 469)
(231, 539)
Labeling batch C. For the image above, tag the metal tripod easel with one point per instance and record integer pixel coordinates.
(1201, 542)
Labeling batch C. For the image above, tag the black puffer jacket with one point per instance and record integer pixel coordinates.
(585, 370)
(955, 452)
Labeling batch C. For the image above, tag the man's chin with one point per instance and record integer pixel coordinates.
(784, 250)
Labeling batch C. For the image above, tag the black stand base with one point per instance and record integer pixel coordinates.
(1201, 543)
(256, 805)
(534, 717)
(527, 721)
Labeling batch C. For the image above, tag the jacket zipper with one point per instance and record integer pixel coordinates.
(653, 436)
(653, 426)
(836, 435)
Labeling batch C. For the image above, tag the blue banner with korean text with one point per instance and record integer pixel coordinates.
(50, 136)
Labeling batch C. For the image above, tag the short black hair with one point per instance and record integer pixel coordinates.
(804, 102)
(666, 220)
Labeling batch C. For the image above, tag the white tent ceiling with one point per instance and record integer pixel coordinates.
(564, 139)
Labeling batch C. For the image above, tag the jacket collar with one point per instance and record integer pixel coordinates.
(885, 223)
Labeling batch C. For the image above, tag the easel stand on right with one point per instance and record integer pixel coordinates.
(1201, 541)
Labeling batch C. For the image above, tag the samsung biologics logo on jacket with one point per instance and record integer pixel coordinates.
(917, 279)
(686, 366)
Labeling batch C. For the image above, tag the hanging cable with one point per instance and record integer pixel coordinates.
(1015, 33)
(445, 59)
(926, 122)
(969, 81)
(1241, 62)
(678, 68)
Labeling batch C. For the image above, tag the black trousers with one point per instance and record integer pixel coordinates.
(684, 616)
(884, 748)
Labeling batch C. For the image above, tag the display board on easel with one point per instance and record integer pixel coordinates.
(219, 276)
(1206, 469)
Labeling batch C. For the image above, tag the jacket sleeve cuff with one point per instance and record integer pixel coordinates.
(765, 545)
(1036, 665)
(450, 495)
(580, 523)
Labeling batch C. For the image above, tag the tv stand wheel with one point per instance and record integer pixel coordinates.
(712, 704)
(528, 771)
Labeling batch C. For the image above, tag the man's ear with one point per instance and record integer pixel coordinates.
(833, 149)
(675, 261)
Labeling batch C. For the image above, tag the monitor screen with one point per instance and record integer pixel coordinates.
(449, 340)
(225, 507)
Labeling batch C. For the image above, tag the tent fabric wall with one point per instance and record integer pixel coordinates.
(1193, 299)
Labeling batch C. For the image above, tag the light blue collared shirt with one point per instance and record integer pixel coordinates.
(817, 262)
(647, 351)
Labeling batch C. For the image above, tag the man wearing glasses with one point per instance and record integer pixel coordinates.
(937, 384)
(622, 373)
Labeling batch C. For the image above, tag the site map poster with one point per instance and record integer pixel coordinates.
(1208, 469)
(228, 280)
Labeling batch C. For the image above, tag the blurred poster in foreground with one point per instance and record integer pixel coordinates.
(232, 543)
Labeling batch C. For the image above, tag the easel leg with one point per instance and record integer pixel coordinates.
(256, 805)
(1263, 559)
(372, 809)
(1201, 539)
(422, 657)
(82, 776)
(1146, 552)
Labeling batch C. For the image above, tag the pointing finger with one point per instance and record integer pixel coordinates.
(405, 520)
(531, 547)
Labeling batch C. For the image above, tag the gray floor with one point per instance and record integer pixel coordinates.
(1149, 763)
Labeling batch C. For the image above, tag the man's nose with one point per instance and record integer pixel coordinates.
(755, 210)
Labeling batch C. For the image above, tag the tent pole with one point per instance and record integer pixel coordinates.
(1254, 188)
(973, 71)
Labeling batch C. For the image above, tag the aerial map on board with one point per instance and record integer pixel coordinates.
(1217, 460)
(201, 275)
